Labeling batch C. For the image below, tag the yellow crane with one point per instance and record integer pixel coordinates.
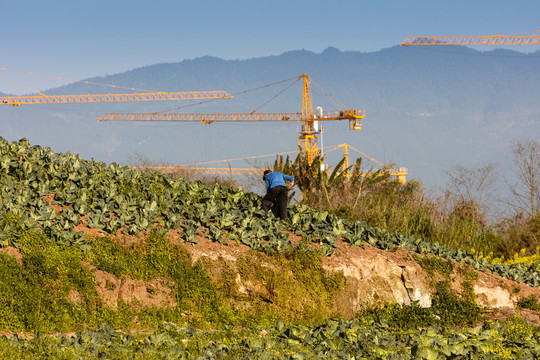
(399, 173)
(307, 141)
(510, 39)
(91, 98)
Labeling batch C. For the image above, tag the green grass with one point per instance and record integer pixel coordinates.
(37, 294)
(382, 334)
(405, 208)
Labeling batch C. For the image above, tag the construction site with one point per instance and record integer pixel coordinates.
(309, 123)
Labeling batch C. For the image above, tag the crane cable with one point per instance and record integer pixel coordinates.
(274, 97)
(335, 147)
(242, 158)
(68, 79)
(297, 79)
(369, 157)
(331, 147)
(521, 33)
(21, 85)
(332, 99)
(234, 94)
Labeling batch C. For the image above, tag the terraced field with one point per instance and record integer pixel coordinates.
(64, 220)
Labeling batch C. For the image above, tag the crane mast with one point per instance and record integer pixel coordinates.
(307, 141)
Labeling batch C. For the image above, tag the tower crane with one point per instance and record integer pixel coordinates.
(91, 98)
(399, 173)
(307, 141)
(510, 39)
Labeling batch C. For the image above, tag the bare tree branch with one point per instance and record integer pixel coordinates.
(526, 193)
(473, 185)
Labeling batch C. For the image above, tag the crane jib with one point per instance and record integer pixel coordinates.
(90, 98)
(210, 118)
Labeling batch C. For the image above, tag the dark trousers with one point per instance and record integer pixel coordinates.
(279, 194)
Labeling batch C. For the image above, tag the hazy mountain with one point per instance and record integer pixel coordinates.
(427, 108)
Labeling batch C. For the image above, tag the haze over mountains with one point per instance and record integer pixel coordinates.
(427, 109)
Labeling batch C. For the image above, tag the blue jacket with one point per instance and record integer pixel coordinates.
(275, 178)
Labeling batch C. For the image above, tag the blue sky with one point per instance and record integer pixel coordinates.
(79, 39)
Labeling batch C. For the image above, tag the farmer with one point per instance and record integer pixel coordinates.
(276, 190)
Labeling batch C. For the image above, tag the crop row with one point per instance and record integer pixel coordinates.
(366, 338)
(112, 198)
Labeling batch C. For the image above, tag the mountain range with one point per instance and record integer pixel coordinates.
(428, 109)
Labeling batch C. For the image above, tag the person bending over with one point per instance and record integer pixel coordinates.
(276, 191)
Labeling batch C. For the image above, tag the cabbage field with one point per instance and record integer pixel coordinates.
(334, 339)
(54, 194)
(111, 198)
